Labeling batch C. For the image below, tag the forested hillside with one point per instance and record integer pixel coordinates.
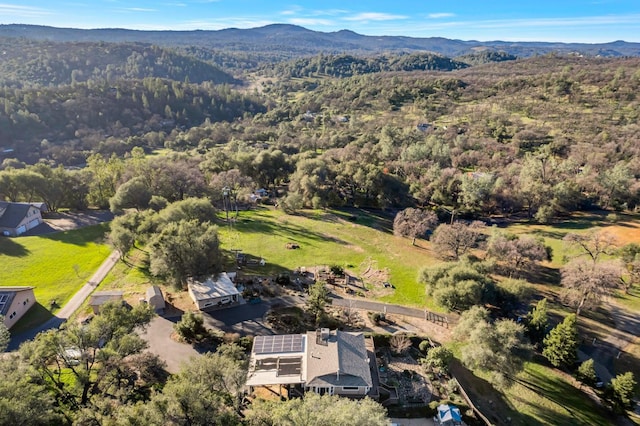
(27, 63)
(348, 65)
(542, 136)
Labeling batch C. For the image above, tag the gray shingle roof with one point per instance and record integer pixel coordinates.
(342, 361)
(11, 214)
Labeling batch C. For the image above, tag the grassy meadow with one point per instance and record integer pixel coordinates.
(57, 265)
(357, 240)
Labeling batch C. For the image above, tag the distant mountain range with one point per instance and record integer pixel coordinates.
(284, 41)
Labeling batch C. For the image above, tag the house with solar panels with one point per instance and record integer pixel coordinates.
(322, 361)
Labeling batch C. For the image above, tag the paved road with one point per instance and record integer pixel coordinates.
(387, 308)
(158, 335)
(604, 352)
(72, 305)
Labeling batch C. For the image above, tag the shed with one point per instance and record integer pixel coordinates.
(99, 298)
(215, 291)
(155, 299)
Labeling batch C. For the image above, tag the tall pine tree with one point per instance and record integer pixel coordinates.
(561, 345)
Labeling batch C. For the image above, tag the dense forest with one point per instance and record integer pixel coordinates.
(543, 136)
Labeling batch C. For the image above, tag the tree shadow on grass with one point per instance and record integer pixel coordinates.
(9, 247)
(283, 228)
(578, 407)
(80, 237)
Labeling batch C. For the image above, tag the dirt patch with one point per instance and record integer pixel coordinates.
(59, 222)
(625, 232)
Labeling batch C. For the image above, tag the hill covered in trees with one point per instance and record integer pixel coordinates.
(281, 41)
(30, 62)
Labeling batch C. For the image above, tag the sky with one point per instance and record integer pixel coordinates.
(589, 21)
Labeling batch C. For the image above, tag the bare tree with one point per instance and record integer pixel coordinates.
(414, 223)
(587, 282)
(399, 343)
(518, 253)
(457, 238)
(592, 244)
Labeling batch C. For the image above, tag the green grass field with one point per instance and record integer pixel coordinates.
(57, 265)
(357, 240)
(542, 396)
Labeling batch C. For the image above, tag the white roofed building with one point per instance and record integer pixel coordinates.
(215, 291)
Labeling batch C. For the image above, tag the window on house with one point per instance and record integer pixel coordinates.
(350, 388)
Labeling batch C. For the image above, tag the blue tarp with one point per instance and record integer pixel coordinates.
(449, 415)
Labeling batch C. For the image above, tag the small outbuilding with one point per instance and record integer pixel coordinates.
(215, 291)
(155, 299)
(99, 298)
(14, 303)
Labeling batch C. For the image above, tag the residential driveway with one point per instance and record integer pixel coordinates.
(244, 319)
(158, 335)
(57, 222)
(248, 319)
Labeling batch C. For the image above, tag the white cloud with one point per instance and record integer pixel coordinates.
(310, 21)
(137, 9)
(293, 10)
(15, 10)
(374, 16)
(213, 24)
(329, 12)
(580, 21)
(441, 15)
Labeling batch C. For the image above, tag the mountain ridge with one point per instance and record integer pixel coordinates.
(293, 40)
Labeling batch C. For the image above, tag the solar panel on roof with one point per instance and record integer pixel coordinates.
(278, 344)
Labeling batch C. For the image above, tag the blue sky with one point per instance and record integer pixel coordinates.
(514, 20)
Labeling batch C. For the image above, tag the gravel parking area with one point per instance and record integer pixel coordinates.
(58, 222)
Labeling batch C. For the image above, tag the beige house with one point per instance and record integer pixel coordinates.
(322, 361)
(14, 303)
(18, 218)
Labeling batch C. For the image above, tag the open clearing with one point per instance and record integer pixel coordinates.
(57, 265)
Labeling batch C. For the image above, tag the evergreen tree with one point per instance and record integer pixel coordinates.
(586, 372)
(621, 390)
(537, 322)
(561, 345)
(317, 300)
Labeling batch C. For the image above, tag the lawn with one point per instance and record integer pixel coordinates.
(541, 395)
(57, 265)
(356, 240)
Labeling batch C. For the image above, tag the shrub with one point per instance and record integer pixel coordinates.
(191, 327)
(337, 270)
(376, 317)
(424, 346)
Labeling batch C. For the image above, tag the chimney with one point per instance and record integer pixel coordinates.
(324, 333)
(338, 375)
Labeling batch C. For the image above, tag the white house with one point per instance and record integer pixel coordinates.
(322, 361)
(14, 303)
(216, 291)
(18, 218)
